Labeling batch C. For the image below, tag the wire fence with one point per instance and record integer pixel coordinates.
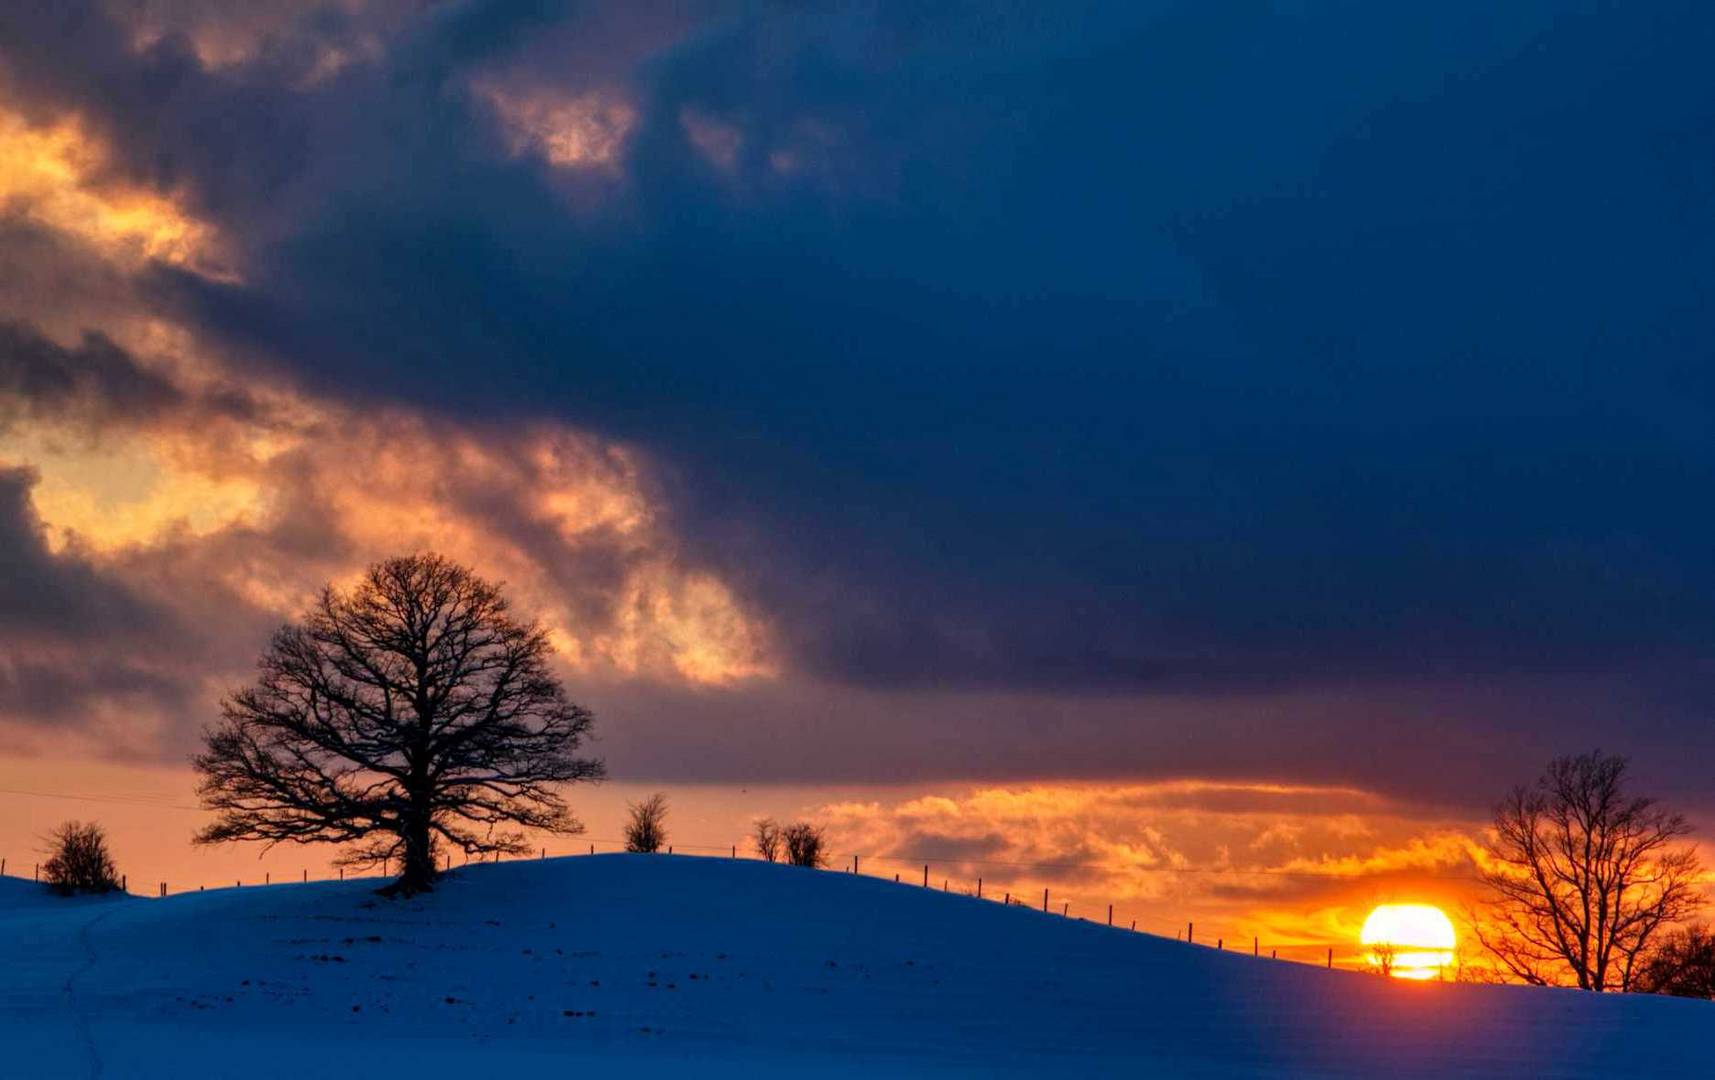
(912, 871)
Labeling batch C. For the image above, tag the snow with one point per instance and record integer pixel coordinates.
(672, 965)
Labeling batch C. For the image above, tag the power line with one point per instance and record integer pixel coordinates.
(133, 800)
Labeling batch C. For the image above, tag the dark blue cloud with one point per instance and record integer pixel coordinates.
(1184, 345)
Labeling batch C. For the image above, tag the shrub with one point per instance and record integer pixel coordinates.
(646, 832)
(78, 860)
(805, 845)
(1684, 965)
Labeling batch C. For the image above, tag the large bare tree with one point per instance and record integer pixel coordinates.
(1582, 878)
(407, 714)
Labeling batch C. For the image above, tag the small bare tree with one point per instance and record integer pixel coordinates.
(805, 845)
(1581, 877)
(767, 839)
(646, 830)
(409, 712)
(1382, 956)
(78, 860)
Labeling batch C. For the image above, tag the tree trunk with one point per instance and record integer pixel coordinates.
(418, 874)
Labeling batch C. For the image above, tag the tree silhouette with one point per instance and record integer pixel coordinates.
(767, 839)
(646, 828)
(805, 845)
(1683, 965)
(1582, 877)
(410, 712)
(78, 860)
(1382, 957)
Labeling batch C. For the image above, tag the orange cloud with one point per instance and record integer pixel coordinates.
(56, 176)
(564, 519)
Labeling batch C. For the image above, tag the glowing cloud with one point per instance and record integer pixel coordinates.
(581, 131)
(55, 176)
(1294, 865)
(562, 518)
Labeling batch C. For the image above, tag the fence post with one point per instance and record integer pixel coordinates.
(306, 876)
(544, 853)
(124, 883)
(1007, 900)
(855, 863)
(943, 884)
(1134, 925)
(268, 878)
(342, 873)
(38, 871)
(925, 875)
(1188, 933)
(979, 888)
(1045, 900)
(1110, 914)
(163, 888)
(1274, 954)
(1066, 909)
(1330, 958)
(2, 867)
(735, 851)
(669, 849)
(1220, 944)
(592, 849)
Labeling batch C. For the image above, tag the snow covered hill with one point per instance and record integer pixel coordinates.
(675, 966)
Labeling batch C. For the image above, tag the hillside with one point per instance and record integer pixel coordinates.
(662, 965)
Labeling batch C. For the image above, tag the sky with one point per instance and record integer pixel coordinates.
(1199, 454)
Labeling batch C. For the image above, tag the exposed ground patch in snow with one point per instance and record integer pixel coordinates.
(663, 965)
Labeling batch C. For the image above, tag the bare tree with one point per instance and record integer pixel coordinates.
(1581, 877)
(1382, 957)
(78, 860)
(409, 712)
(805, 845)
(767, 839)
(646, 829)
(1682, 965)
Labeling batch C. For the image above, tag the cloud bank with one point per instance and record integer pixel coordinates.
(1079, 387)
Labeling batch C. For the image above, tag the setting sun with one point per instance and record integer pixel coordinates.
(1409, 941)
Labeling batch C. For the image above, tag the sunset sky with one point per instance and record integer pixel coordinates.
(1193, 456)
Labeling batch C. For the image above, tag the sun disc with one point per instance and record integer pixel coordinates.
(1409, 941)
